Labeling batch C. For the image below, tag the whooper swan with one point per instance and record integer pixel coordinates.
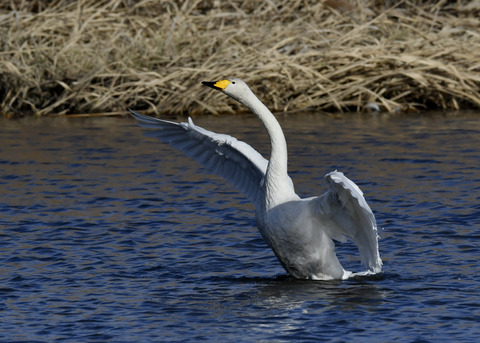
(299, 231)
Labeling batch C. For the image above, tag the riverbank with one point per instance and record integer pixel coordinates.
(66, 57)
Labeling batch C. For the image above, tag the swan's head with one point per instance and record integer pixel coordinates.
(235, 88)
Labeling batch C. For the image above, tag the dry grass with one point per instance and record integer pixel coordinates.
(90, 56)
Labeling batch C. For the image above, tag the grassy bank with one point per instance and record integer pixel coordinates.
(85, 56)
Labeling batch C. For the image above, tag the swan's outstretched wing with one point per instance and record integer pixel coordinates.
(226, 156)
(347, 213)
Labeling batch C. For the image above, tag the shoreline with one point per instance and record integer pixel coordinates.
(65, 57)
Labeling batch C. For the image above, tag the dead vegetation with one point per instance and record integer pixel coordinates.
(88, 56)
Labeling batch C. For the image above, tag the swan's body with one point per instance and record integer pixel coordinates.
(299, 231)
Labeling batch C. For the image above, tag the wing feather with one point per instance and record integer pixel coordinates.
(226, 156)
(351, 216)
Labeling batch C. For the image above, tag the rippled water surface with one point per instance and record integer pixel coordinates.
(108, 235)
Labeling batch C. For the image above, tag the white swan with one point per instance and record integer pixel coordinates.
(299, 231)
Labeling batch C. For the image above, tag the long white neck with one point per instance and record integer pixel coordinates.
(278, 186)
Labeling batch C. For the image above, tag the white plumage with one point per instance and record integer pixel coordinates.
(299, 231)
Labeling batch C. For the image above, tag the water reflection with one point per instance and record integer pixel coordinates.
(313, 296)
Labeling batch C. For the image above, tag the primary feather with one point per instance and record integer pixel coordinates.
(222, 154)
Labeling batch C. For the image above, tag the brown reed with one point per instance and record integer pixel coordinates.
(88, 56)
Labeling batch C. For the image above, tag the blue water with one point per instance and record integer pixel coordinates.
(107, 235)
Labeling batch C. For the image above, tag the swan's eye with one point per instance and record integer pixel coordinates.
(233, 82)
